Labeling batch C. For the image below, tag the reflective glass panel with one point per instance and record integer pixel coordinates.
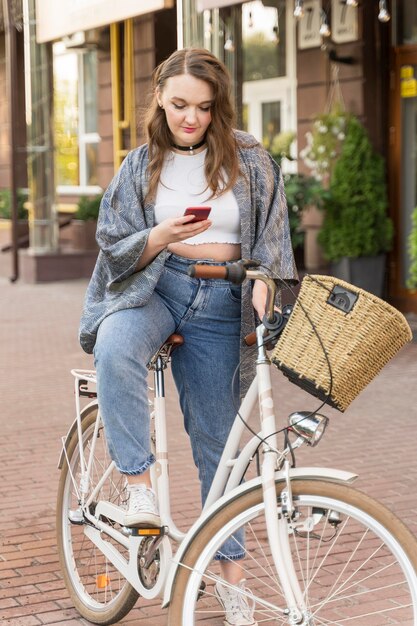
(408, 21)
(263, 34)
(90, 91)
(409, 174)
(271, 121)
(91, 150)
(66, 119)
(245, 121)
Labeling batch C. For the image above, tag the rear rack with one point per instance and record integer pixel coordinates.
(85, 383)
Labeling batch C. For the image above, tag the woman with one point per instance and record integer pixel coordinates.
(140, 291)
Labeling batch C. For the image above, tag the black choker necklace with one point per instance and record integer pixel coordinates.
(189, 149)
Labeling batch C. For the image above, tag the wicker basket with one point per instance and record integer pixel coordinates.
(357, 331)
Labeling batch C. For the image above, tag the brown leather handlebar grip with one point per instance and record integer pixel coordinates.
(208, 271)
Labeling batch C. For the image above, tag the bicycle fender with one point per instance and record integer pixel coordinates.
(73, 429)
(301, 473)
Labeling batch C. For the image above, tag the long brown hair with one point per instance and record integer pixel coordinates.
(221, 163)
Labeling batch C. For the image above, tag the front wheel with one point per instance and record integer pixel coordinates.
(356, 563)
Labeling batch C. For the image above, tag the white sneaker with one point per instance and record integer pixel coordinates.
(143, 509)
(237, 609)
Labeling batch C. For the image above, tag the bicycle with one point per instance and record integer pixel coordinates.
(317, 550)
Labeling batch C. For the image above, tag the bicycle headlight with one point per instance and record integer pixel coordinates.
(310, 426)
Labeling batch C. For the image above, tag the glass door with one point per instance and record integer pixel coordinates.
(268, 72)
(256, 40)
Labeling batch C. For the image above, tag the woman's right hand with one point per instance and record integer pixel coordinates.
(169, 231)
(177, 229)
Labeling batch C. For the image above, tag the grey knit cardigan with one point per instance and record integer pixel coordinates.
(125, 220)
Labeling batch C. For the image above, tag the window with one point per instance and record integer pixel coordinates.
(408, 22)
(264, 53)
(75, 120)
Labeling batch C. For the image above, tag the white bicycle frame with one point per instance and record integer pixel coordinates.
(226, 486)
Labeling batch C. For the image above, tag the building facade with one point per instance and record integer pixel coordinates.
(283, 71)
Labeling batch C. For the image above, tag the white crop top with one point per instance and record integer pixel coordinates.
(183, 184)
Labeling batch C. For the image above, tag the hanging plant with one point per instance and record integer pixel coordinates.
(412, 251)
(325, 140)
(324, 143)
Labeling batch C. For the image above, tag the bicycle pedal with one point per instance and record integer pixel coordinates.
(148, 532)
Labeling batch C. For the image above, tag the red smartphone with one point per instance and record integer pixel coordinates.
(200, 213)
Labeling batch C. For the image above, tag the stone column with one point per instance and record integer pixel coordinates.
(43, 225)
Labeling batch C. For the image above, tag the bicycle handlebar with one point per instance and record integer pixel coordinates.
(236, 273)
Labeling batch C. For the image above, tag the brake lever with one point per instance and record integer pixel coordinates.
(273, 333)
(276, 327)
(249, 263)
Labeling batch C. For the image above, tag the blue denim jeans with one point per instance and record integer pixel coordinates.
(207, 314)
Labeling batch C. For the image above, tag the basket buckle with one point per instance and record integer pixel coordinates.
(342, 299)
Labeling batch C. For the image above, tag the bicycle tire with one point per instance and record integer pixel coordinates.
(341, 593)
(99, 592)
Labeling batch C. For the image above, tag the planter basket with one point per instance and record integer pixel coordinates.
(340, 328)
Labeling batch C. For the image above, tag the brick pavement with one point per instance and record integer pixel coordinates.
(38, 347)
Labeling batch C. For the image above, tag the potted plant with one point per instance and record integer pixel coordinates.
(5, 204)
(412, 252)
(357, 231)
(84, 223)
(304, 199)
(5, 215)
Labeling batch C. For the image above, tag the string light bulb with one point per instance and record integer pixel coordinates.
(229, 46)
(299, 9)
(208, 31)
(383, 14)
(276, 28)
(352, 3)
(324, 26)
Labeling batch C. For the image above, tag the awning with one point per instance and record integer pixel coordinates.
(202, 5)
(55, 19)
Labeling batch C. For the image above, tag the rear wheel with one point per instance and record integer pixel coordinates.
(356, 563)
(99, 592)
